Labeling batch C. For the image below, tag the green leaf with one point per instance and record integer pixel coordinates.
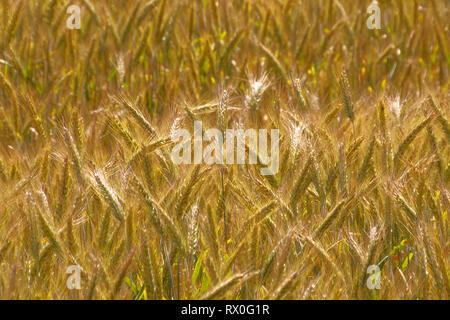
(406, 261)
(198, 267)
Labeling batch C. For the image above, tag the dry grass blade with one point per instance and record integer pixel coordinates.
(409, 139)
(110, 196)
(224, 287)
(331, 216)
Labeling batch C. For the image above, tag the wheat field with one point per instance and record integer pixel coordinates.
(87, 178)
